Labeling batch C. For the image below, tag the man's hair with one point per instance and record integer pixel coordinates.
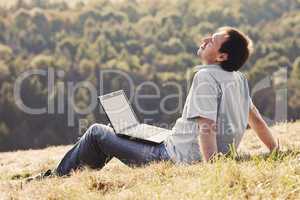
(238, 47)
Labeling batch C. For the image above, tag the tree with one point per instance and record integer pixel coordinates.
(69, 47)
(296, 69)
(2, 31)
(6, 53)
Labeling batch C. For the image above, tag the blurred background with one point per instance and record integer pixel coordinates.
(151, 40)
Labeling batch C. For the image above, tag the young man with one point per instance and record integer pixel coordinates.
(216, 113)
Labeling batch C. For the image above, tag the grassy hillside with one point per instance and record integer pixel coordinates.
(252, 177)
(4, 3)
(152, 41)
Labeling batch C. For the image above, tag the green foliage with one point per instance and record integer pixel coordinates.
(149, 40)
(296, 69)
(6, 53)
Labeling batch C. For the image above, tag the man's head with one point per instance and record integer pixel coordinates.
(228, 47)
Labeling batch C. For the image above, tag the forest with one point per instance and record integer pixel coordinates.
(149, 40)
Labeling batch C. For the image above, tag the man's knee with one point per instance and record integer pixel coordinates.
(98, 131)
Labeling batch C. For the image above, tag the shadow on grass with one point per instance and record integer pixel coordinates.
(20, 176)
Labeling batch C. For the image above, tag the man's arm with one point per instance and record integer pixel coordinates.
(207, 138)
(258, 124)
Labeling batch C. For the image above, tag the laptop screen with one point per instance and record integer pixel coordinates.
(118, 111)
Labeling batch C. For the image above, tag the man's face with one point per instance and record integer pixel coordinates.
(209, 48)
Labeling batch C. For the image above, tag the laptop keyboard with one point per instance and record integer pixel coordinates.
(145, 130)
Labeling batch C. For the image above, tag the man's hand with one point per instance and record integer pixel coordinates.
(207, 138)
(258, 124)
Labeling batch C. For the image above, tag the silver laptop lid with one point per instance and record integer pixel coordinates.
(118, 110)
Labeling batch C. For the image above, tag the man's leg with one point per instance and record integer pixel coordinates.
(99, 144)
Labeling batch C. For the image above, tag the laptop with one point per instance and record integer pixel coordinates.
(124, 121)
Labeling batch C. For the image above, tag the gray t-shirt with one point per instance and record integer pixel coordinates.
(217, 95)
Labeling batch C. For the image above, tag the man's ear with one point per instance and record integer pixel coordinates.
(222, 57)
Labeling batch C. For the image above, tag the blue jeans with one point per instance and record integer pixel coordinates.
(99, 145)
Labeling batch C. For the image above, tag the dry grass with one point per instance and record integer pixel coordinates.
(247, 177)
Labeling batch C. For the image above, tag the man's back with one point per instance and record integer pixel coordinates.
(217, 95)
(233, 108)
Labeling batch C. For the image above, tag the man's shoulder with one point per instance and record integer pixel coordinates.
(207, 74)
(203, 71)
(216, 73)
(210, 71)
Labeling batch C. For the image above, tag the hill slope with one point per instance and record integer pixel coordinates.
(254, 177)
(7, 4)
